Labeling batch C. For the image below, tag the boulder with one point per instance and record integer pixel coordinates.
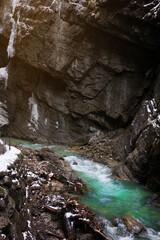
(132, 225)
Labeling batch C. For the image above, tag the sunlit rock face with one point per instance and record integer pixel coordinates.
(76, 67)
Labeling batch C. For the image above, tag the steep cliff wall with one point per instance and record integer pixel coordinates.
(78, 68)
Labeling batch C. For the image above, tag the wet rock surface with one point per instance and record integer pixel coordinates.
(132, 225)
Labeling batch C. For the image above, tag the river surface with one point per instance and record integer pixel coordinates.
(110, 198)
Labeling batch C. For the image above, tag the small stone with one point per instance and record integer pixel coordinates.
(2, 204)
(51, 175)
(74, 163)
(116, 221)
(7, 181)
(2, 174)
(3, 192)
(11, 207)
(4, 222)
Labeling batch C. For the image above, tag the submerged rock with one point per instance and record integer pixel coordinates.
(106, 200)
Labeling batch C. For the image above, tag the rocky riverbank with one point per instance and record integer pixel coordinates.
(40, 199)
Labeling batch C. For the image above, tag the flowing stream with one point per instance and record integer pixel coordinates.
(110, 198)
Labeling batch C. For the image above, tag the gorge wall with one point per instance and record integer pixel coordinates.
(71, 70)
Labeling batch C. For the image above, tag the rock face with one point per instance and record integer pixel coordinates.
(83, 68)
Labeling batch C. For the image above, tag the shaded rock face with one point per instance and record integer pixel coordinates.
(75, 66)
(77, 69)
(142, 162)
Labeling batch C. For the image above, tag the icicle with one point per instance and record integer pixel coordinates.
(10, 48)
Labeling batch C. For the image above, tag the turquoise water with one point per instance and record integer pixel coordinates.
(110, 198)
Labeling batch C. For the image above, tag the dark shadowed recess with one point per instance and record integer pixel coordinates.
(3, 52)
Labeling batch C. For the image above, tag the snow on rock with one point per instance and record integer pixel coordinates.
(28, 235)
(57, 125)
(8, 158)
(14, 4)
(155, 9)
(153, 116)
(3, 73)
(3, 115)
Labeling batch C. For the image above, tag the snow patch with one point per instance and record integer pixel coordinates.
(57, 125)
(3, 236)
(28, 235)
(27, 191)
(153, 116)
(8, 158)
(15, 181)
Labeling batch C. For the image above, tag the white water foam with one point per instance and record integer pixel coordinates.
(91, 168)
(102, 173)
